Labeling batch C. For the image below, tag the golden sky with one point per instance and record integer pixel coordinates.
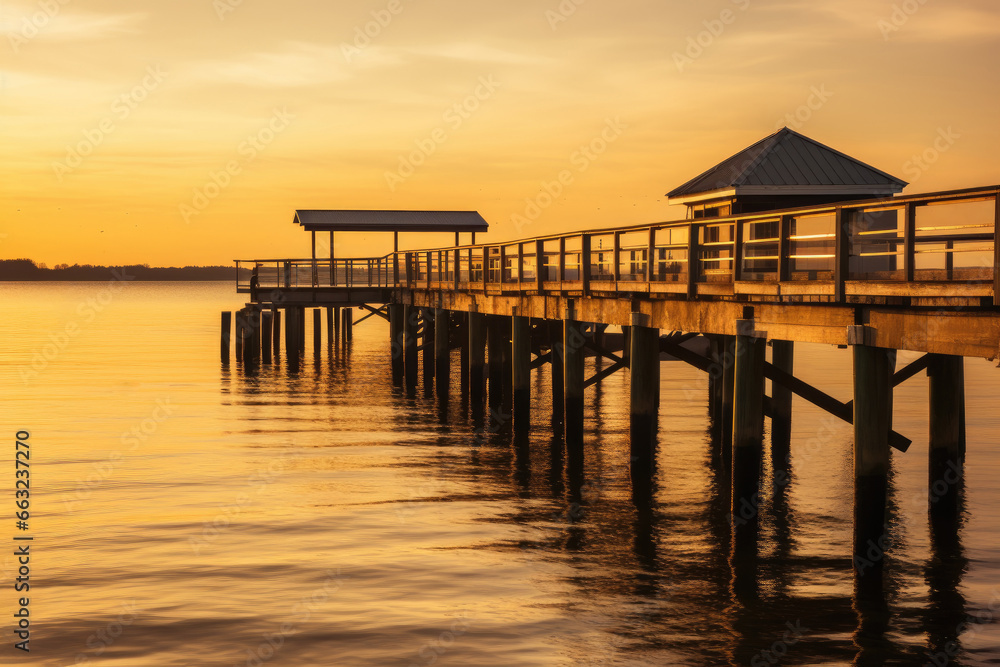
(187, 132)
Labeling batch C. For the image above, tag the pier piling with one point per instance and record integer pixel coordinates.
(556, 362)
(276, 324)
(411, 317)
(521, 371)
(782, 358)
(477, 359)
(442, 353)
(427, 343)
(227, 328)
(396, 316)
(872, 391)
(644, 381)
(748, 423)
(946, 457)
(573, 379)
(317, 332)
(495, 345)
(348, 315)
(266, 325)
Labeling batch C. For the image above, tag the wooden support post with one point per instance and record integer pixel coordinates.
(239, 335)
(427, 343)
(291, 334)
(442, 352)
(397, 313)
(277, 331)
(495, 345)
(507, 365)
(573, 379)
(227, 332)
(782, 358)
(348, 314)
(477, 359)
(872, 392)
(946, 463)
(644, 385)
(556, 362)
(715, 371)
(728, 391)
(411, 317)
(317, 332)
(330, 327)
(462, 326)
(266, 328)
(521, 371)
(335, 336)
(253, 321)
(748, 424)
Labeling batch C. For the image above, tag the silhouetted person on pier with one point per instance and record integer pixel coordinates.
(254, 282)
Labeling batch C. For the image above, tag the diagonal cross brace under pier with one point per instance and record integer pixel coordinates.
(810, 393)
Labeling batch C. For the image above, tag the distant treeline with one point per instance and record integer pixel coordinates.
(26, 269)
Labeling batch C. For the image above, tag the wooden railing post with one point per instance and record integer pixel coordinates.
(561, 266)
(650, 256)
(616, 266)
(503, 264)
(428, 268)
(520, 267)
(737, 250)
(585, 262)
(784, 263)
(408, 259)
(458, 268)
(909, 241)
(842, 250)
(996, 249)
(539, 265)
(693, 265)
(486, 266)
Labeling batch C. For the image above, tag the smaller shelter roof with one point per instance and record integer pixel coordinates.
(390, 221)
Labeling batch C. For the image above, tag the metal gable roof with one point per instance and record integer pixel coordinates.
(390, 221)
(790, 160)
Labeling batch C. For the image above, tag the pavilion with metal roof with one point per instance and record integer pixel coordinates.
(782, 170)
(327, 220)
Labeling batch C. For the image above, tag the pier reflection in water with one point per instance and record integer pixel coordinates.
(660, 566)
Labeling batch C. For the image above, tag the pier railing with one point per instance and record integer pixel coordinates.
(939, 245)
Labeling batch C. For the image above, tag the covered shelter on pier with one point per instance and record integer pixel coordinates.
(332, 221)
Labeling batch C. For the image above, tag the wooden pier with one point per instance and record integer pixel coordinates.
(912, 273)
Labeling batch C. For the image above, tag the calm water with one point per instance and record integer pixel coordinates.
(187, 514)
